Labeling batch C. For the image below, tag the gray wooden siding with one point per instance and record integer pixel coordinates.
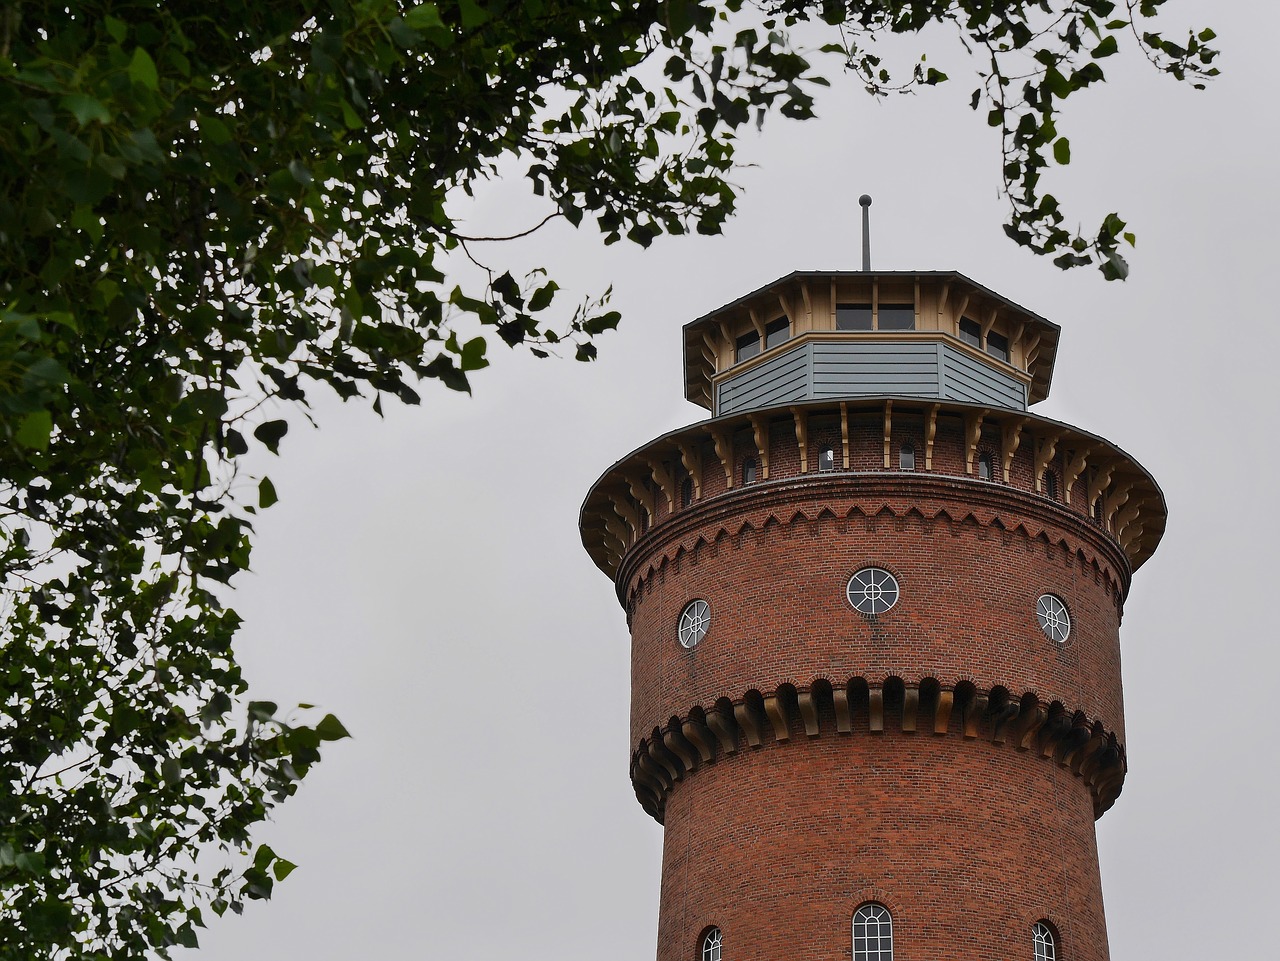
(857, 369)
(777, 381)
(825, 370)
(965, 378)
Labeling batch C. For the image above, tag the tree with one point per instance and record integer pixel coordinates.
(207, 210)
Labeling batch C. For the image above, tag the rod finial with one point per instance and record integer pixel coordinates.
(865, 200)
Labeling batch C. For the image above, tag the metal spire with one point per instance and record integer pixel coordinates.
(865, 200)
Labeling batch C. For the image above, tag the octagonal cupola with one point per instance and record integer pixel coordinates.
(825, 335)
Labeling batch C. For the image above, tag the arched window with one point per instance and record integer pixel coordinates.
(749, 471)
(686, 492)
(711, 945)
(984, 467)
(827, 459)
(872, 933)
(1046, 944)
(1049, 484)
(907, 457)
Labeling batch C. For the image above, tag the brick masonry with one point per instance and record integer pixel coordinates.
(967, 839)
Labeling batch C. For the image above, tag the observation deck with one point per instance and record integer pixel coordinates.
(825, 335)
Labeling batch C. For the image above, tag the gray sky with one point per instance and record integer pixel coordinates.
(422, 576)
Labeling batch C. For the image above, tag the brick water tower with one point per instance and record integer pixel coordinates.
(874, 608)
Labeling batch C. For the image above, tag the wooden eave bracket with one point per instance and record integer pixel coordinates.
(930, 432)
(1100, 482)
(628, 515)
(1010, 436)
(988, 322)
(1074, 468)
(665, 482)
(724, 451)
(1119, 495)
(757, 323)
(693, 464)
(1044, 451)
(760, 433)
(802, 437)
(972, 434)
(640, 493)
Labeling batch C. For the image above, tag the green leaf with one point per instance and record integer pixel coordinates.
(171, 771)
(1106, 48)
(425, 16)
(34, 430)
(1062, 151)
(142, 69)
(282, 868)
(541, 298)
(331, 729)
(263, 710)
(86, 109)
(270, 434)
(472, 14)
(266, 493)
(472, 354)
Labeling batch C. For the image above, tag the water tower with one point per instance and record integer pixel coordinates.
(874, 607)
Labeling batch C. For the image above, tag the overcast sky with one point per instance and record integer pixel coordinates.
(423, 579)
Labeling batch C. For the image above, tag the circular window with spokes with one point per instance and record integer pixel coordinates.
(695, 620)
(872, 590)
(1054, 619)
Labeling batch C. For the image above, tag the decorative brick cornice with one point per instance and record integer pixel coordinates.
(639, 496)
(878, 707)
(868, 498)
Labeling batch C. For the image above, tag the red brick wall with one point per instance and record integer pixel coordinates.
(779, 613)
(966, 843)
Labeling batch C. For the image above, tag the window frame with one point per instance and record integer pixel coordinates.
(711, 944)
(873, 590)
(1054, 617)
(694, 623)
(907, 456)
(778, 325)
(1044, 936)
(750, 342)
(872, 913)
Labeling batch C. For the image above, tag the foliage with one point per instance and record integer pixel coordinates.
(207, 209)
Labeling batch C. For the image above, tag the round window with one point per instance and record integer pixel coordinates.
(695, 619)
(1054, 620)
(873, 590)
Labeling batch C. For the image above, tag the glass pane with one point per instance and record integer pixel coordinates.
(998, 346)
(897, 317)
(853, 316)
(748, 345)
(777, 333)
(970, 332)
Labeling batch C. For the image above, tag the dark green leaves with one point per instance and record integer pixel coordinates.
(142, 70)
(270, 433)
(331, 729)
